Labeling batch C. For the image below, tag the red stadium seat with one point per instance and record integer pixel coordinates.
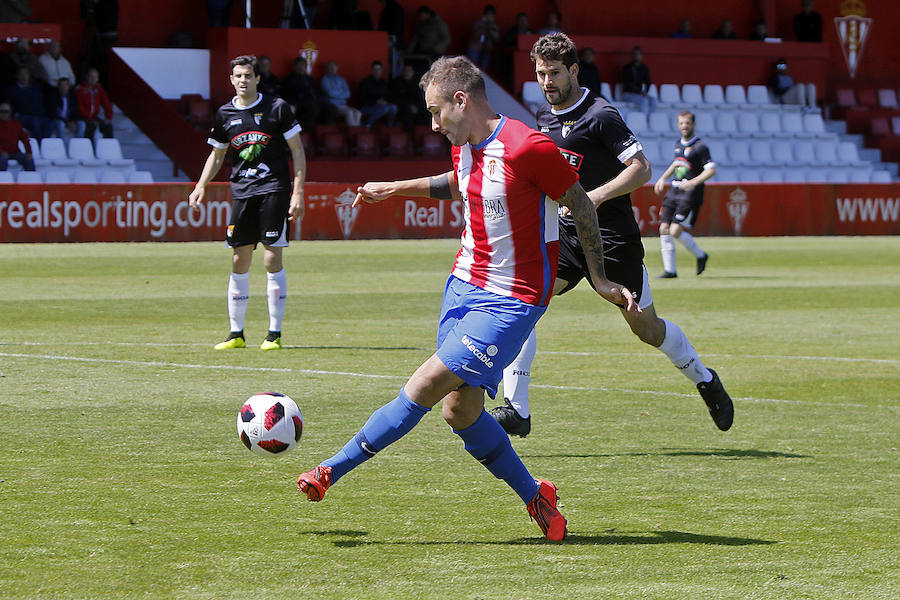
(365, 145)
(309, 144)
(184, 103)
(433, 146)
(868, 98)
(895, 123)
(334, 144)
(399, 145)
(846, 97)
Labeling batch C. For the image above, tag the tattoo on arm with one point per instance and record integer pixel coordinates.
(585, 216)
(439, 187)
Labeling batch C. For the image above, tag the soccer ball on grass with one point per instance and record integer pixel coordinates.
(269, 424)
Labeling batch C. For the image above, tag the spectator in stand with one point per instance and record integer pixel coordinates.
(684, 30)
(636, 82)
(14, 11)
(268, 82)
(27, 100)
(372, 93)
(62, 111)
(337, 92)
(430, 39)
(725, 31)
(553, 24)
(299, 90)
(786, 91)
(23, 57)
(92, 99)
(510, 43)
(55, 65)
(485, 35)
(391, 20)
(11, 133)
(409, 97)
(808, 24)
(589, 73)
(760, 31)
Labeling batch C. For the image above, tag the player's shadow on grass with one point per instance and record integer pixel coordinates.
(727, 453)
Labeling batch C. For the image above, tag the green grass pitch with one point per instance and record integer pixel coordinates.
(121, 474)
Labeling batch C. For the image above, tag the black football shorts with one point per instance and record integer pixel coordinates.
(682, 210)
(258, 219)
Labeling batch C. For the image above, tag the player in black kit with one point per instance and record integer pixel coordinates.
(258, 134)
(592, 135)
(692, 167)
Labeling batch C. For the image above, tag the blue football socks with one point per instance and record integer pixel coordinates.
(486, 440)
(386, 425)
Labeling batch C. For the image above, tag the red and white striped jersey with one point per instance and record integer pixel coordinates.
(510, 245)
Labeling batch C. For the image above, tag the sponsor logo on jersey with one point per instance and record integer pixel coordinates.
(573, 158)
(272, 233)
(234, 122)
(250, 137)
(567, 128)
(484, 356)
(493, 208)
(545, 130)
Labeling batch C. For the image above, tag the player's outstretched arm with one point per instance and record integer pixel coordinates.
(213, 164)
(585, 216)
(636, 173)
(439, 187)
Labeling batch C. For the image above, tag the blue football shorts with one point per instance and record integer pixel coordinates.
(481, 332)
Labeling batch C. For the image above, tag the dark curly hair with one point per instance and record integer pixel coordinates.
(555, 46)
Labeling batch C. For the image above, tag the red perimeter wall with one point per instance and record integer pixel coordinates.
(159, 212)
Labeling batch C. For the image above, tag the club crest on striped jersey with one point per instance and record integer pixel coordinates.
(567, 128)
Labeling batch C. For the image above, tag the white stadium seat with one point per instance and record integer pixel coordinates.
(108, 149)
(661, 124)
(691, 94)
(770, 125)
(726, 175)
(783, 154)
(39, 161)
(748, 124)
(6, 177)
(669, 94)
(758, 95)
(607, 92)
(532, 96)
(57, 176)
(29, 177)
(761, 153)
(112, 177)
(826, 153)
(84, 176)
(794, 175)
(718, 153)
(887, 98)
(838, 176)
(739, 153)
(54, 150)
(848, 155)
(805, 152)
(735, 95)
(749, 175)
(140, 177)
(792, 123)
(881, 176)
(637, 123)
(726, 124)
(705, 123)
(817, 175)
(860, 176)
(771, 176)
(617, 91)
(650, 148)
(714, 94)
(82, 150)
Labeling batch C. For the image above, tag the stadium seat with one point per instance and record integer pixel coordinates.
(433, 146)
(726, 124)
(365, 145)
(783, 154)
(637, 123)
(692, 94)
(749, 175)
(650, 148)
(771, 176)
(806, 153)
(400, 144)
(794, 175)
(84, 176)
(895, 125)
(199, 113)
(826, 153)
(792, 124)
(532, 96)
(334, 144)
(748, 124)
(140, 177)
(309, 144)
(112, 177)
(860, 176)
(57, 176)
(847, 154)
(739, 153)
(770, 125)
(54, 150)
(653, 91)
(718, 152)
(735, 96)
(607, 92)
(816, 175)
(814, 125)
(881, 176)
(867, 97)
(29, 177)
(761, 153)
(705, 124)
(846, 97)
(39, 161)
(838, 176)
(184, 102)
(81, 150)
(887, 98)
(6, 177)
(617, 91)
(669, 94)
(758, 96)
(661, 124)
(714, 95)
(109, 150)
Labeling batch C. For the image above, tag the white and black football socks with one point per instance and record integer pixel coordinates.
(238, 295)
(688, 241)
(682, 354)
(667, 248)
(276, 290)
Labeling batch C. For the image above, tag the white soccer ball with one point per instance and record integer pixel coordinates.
(269, 423)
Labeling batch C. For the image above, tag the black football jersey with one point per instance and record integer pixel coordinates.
(255, 137)
(592, 136)
(691, 157)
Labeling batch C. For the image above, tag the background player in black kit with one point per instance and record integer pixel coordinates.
(608, 158)
(259, 134)
(692, 167)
